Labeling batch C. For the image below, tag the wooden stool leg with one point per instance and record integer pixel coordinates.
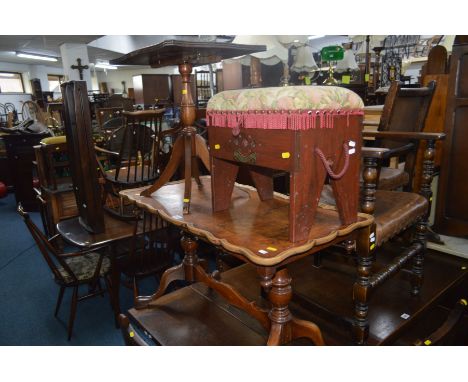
(361, 289)
(223, 177)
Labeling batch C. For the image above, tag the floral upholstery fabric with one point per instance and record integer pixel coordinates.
(84, 267)
(286, 98)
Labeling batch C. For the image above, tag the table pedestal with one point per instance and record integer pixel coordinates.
(278, 321)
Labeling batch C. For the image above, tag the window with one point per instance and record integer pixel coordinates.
(11, 82)
(54, 82)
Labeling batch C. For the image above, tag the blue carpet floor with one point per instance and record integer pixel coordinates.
(28, 294)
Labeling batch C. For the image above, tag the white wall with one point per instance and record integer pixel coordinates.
(32, 71)
(114, 78)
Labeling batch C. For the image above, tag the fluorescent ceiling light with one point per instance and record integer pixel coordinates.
(7, 74)
(105, 66)
(313, 37)
(36, 57)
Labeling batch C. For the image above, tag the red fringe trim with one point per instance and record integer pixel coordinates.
(277, 119)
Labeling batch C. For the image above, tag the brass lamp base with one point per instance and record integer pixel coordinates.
(330, 80)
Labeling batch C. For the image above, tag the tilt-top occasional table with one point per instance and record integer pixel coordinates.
(254, 231)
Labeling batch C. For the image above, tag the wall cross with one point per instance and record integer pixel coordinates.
(80, 67)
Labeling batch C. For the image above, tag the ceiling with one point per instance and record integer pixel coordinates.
(108, 47)
(100, 48)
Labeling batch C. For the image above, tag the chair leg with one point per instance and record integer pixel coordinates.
(72, 312)
(417, 269)
(59, 300)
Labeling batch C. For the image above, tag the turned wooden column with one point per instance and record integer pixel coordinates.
(189, 246)
(420, 234)
(370, 175)
(280, 316)
(187, 107)
(365, 245)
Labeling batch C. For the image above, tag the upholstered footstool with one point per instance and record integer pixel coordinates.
(309, 131)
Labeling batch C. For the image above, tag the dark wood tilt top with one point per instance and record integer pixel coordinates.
(175, 52)
(74, 233)
(251, 229)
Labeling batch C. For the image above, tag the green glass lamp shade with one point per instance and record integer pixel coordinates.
(332, 53)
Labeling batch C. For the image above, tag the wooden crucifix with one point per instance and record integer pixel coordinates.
(80, 67)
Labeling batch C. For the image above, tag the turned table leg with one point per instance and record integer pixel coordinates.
(184, 271)
(284, 327)
(365, 245)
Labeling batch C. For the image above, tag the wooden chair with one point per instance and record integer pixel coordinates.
(56, 193)
(70, 270)
(405, 109)
(152, 249)
(105, 114)
(131, 155)
(395, 213)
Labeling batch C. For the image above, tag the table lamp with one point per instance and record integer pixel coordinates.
(331, 53)
(304, 60)
(348, 64)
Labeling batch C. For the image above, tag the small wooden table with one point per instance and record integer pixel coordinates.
(256, 232)
(115, 231)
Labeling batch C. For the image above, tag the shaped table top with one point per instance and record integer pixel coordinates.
(251, 229)
(175, 52)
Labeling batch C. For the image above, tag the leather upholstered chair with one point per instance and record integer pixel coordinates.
(395, 213)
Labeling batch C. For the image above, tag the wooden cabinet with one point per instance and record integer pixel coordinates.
(20, 154)
(151, 87)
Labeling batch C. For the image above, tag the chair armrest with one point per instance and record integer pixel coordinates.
(374, 152)
(404, 135)
(104, 151)
(83, 252)
(397, 151)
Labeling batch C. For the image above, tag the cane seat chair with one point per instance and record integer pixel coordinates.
(70, 270)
